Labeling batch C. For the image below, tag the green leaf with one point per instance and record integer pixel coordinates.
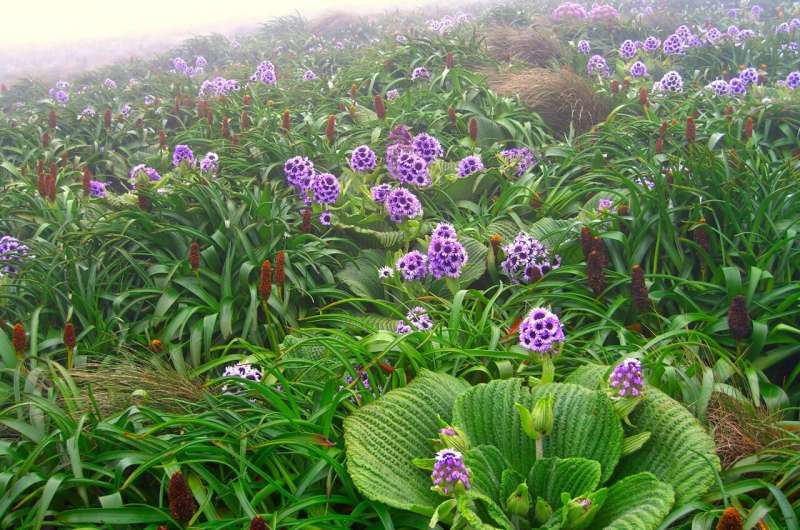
(476, 261)
(679, 451)
(638, 502)
(592, 376)
(131, 514)
(550, 477)
(383, 437)
(487, 465)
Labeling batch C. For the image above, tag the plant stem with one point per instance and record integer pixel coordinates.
(540, 447)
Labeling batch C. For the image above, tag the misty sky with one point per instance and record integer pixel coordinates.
(37, 23)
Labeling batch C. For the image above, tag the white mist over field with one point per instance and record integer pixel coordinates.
(49, 38)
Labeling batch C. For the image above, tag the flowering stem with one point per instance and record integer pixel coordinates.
(548, 370)
(540, 447)
(69, 358)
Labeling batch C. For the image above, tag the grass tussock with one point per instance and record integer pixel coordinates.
(333, 22)
(533, 46)
(560, 97)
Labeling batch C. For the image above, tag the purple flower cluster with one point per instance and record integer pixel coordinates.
(448, 23)
(110, 84)
(299, 171)
(97, 189)
(88, 112)
(325, 188)
(309, 75)
(737, 87)
(125, 110)
(597, 65)
(401, 204)
(420, 72)
(673, 45)
(719, 87)
(392, 94)
(792, 80)
(151, 173)
(149, 100)
(601, 12)
(671, 82)
(219, 86)
(363, 378)
(242, 371)
(12, 252)
(182, 154)
(628, 49)
(419, 318)
(469, 165)
(413, 266)
(179, 65)
(527, 259)
(584, 47)
(400, 135)
(540, 331)
(265, 73)
(627, 378)
(59, 92)
(651, 44)
(604, 205)
(380, 192)
(521, 156)
(210, 163)
(446, 256)
(638, 69)
(363, 159)
(407, 166)
(427, 147)
(569, 10)
(326, 218)
(749, 76)
(449, 471)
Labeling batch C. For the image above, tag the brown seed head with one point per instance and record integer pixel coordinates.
(19, 339)
(194, 256)
(739, 322)
(639, 293)
(181, 501)
(265, 281)
(69, 336)
(730, 520)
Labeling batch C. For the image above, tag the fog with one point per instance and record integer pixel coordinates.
(54, 38)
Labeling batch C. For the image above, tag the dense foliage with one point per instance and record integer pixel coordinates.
(531, 266)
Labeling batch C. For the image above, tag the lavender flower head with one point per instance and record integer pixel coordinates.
(60, 96)
(400, 135)
(182, 154)
(309, 75)
(651, 44)
(793, 80)
(469, 165)
(413, 266)
(584, 47)
(12, 253)
(325, 188)
(363, 378)
(628, 49)
(444, 231)
(749, 76)
(737, 87)
(449, 472)
(392, 94)
(719, 87)
(527, 259)
(210, 163)
(645, 182)
(149, 100)
(380, 192)
(627, 378)
(419, 318)
(97, 189)
(420, 72)
(540, 331)
(265, 73)
(604, 205)
(673, 45)
(427, 147)
(407, 166)
(402, 328)
(88, 112)
(148, 171)
(446, 257)
(299, 171)
(125, 110)
(521, 156)
(200, 62)
(385, 273)
(713, 35)
(569, 10)
(363, 159)
(326, 218)
(756, 11)
(671, 82)
(597, 65)
(603, 12)
(110, 84)
(638, 69)
(242, 371)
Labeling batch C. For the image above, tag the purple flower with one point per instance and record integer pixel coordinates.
(521, 156)
(645, 182)
(540, 331)
(628, 49)
(651, 44)
(392, 94)
(597, 65)
(627, 378)
(326, 218)
(584, 47)
(793, 80)
(402, 328)
(427, 147)
(407, 166)
(527, 259)
(444, 231)
(673, 45)
(449, 472)
(446, 257)
(110, 84)
(363, 379)
(125, 110)
(242, 371)
(469, 165)
(151, 173)
(363, 159)
(683, 32)
(604, 205)
(385, 273)
(12, 253)
(603, 12)
(783, 27)
(720, 87)
(88, 112)
(420, 72)
(182, 154)
(380, 192)
(400, 135)
(671, 82)
(732, 31)
(325, 188)
(309, 75)
(756, 11)
(419, 318)
(219, 86)
(299, 171)
(179, 65)
(61, 96)
(413, 266)
(265, 73)
(749, 76)
(638, 69)
(209, 163)
(568, 10)
(200, 61)
(737, 87)
(97, 188)
(713, 35)
(401, 204)
(149, 100)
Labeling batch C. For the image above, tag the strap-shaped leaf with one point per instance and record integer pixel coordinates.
(679, 451)
(487, 465)
(585, 425)
(550, 477)
(638, 502)
(383, 437)
(486, 413)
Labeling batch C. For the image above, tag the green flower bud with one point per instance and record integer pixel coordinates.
(519, 502)
(542, 511)
(139, 396)
(579, 513)
(542, 414)
(454, 437)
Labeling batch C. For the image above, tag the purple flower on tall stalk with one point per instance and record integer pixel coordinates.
(125, 110)
(392, 94)
(749, 76)
(413, 266)
(628, 49)
(326, 218)
(449, 472)
(604, 205)
(783, 27)
(309, 75)
(210, 163)
(521, 156)
(540, 331)
(200, 62)
(527, 259)
(732, 31)
(182, 154)
(299, 171)
(737, 87)
(88, 112)
(110, 84)
(420, 72)
(713, 35)
(584, 47)
(97, 188)
(651, 44)
(627, 378)
(444, 231)
(719, 87)
(242, 371)
(673, 45)
(12, 253)
(601, 12)
(151, 173)
(638, 69)
(446, 257)
(265, 73)
(363, 159)
(645, 182)
(597, 65)
(756, 11)
(385, 273)
(469, 165)
(60, 96)
(671, 82)
(401, 204)
(419, 318)
(380, 192)
(427, 147)
(407, 166)
(325, 188)
(793, 80)
(402, 328)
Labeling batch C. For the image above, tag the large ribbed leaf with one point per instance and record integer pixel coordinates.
(679, 451)
(476, 261)
(589, 375)
(486, 413)
(585, 425)
(487, 465)
(506, 229)
(367, 237)
(383, 437)
(638, 502)
(550, 477)
(552, 232)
